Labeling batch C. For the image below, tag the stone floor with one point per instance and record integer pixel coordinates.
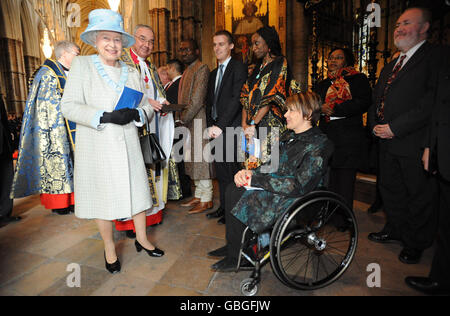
(36, 252)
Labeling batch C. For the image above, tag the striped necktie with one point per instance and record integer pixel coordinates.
(398, 66)
(216, 94)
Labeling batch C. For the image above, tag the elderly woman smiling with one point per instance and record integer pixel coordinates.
(110, 177)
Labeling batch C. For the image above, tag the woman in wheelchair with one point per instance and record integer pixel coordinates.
(303, 158)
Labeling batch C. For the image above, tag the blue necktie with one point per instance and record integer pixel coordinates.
(216, 94)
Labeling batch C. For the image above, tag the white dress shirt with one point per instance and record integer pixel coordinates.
(409, 53)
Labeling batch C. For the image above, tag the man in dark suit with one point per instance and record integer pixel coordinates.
(399, 116)
(436, 160)
(6, 167)
(175, 70)
(223, 109)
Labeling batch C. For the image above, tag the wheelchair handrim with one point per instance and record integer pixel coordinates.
(280, 240)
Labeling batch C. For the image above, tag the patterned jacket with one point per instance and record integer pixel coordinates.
(302, 168)
(45, 162)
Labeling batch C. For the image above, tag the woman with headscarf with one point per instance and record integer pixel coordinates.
(346, 95)
(265, 92)
(110, 176)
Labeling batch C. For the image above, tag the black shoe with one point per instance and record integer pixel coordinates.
(112, 267)
(221, 220)
(225, 265)
(220, 252)
(426, 285)
(130, 234)
(216, 214)
(410, 255)
(62, 211)
(10, 219)
(383, 238)
(152, 253)
(72, 208)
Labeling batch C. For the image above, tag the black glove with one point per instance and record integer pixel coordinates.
(121, 117)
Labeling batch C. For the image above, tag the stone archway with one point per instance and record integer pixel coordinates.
(86, 7)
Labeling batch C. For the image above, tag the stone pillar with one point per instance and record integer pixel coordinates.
(185, 22)
(159, 18)
(12, 66)
(13, 74)
(297, 37)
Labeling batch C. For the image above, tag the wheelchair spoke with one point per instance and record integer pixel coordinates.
(337, 242)
(338, 250)
(318, 267)
(330, 258)
(293, 259)
(307, 263)
(285, 255)
(324, 267)
(331, 214)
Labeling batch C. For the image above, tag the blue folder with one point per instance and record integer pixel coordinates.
(246, 146)
(130, 98)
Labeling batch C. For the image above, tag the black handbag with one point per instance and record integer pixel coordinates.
(152, 151)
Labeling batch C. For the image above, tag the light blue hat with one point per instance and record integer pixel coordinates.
(106, 20)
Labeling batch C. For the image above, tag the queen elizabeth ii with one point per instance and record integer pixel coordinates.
(110, 178)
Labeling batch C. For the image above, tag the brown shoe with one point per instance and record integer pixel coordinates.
(202, 206)
(191, 203)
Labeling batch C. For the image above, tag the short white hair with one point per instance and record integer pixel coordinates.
(143, 26)
(64, 46)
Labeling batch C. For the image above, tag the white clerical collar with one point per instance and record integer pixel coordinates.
(138, 57)
(176, 78)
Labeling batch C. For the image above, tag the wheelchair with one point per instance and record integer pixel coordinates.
(311, 244)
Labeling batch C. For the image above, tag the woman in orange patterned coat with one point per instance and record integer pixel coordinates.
(264, 94)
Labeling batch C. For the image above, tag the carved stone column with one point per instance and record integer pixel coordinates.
(13, 74)
(185, 22)
(12, 77)
(297, 37)
(372, 62)
(315, 49)
(159, 18)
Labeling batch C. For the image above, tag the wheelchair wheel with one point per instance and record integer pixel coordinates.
(314, 242)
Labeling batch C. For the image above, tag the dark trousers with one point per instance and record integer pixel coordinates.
(225, 170)
(6, 178)
(185, 180)
(440, 268)
(408, 195)
(342, 182)
(234, 227)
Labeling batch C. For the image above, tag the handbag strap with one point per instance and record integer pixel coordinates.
(147, 124)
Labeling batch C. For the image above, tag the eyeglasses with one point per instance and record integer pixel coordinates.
(145, 40)
(331, 58)
(184, 50)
